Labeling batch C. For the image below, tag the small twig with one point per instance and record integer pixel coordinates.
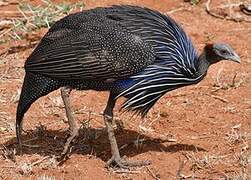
(230, 5)
(180, 175)
(234, 78)
(6, 32)
(23, 14)
(7, 167)
(152, 174)
(174, 10)
(40, 161)
(219, 98)
(31, 146)
(179, 172)
(208, 10)
(123, 146)
(122, 171)
(29, 140)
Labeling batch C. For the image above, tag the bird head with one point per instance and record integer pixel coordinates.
(221, 51)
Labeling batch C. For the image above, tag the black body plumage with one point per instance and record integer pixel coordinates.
(134, 52)
(130, 51)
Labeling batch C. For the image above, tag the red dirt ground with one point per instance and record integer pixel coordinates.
(197, 132)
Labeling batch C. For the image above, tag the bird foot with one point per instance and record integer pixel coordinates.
(67, 149)
(125, 164)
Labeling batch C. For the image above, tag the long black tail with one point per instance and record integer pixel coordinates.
(34, 87)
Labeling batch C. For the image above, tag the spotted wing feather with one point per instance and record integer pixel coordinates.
(176, 59)
(97, 48)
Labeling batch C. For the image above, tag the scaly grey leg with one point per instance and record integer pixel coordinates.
(116, 159)
(65, 93)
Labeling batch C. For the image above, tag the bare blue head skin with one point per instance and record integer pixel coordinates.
(214, 53)
(221, 51)
(226, 52)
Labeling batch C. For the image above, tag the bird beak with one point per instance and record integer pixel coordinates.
(235, 58)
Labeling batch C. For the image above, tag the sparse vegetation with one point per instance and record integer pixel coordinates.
(207, 161)
(37, 17)
(25, 169)
(235, 83)
(205, 123)
(193, 2)
(46, 177)
(236, 136)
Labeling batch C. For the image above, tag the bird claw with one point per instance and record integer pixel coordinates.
(125, 164)
(69, 140)
(67, 148)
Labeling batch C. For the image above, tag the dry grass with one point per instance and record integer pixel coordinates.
(206, 161)
(193, 2)
(211, 163)
(222, 165)
(8, 153)
(25, 168)
(237, 81)
(197, 162)
(46, 177)
(37, 17)
(236, 136)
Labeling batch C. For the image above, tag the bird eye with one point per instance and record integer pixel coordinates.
(223, 52)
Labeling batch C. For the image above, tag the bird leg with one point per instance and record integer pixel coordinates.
(116, 159)
(65, 93)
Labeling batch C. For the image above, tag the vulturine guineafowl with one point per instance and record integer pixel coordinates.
(134, 52)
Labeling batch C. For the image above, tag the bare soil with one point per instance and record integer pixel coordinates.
(197, 132)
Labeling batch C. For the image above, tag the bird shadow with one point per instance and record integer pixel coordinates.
(94, 142)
